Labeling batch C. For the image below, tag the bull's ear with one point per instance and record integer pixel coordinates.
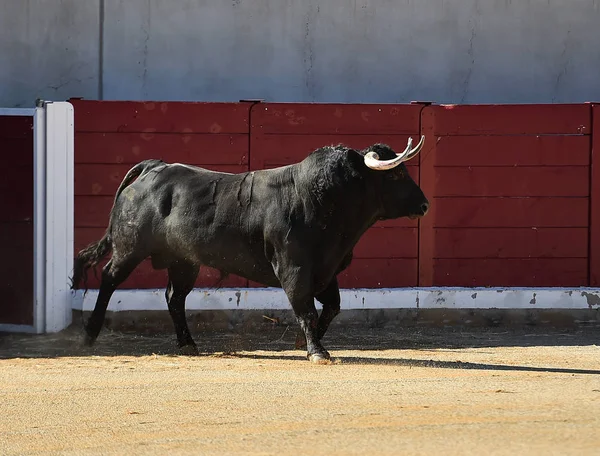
(356, 158)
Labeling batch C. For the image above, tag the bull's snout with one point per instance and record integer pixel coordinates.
(421, 211)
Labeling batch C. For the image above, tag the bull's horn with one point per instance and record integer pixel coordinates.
(373, 162)
(407, 149)
(413, 152)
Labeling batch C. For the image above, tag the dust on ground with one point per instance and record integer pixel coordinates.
(403, 391)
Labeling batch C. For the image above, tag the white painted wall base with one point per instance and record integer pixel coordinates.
(18, 329)
(400, 298)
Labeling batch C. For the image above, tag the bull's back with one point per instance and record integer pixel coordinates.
(190, 213)
(179, 212)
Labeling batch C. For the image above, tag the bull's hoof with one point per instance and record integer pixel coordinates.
(320, 358)
(189, 350)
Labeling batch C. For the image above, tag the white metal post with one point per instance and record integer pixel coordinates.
(53, 184)
(58, 214)
(39, 219)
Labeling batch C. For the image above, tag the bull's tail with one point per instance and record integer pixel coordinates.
(91, 255)
(88, 258)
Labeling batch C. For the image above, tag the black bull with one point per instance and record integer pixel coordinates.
(292, 227)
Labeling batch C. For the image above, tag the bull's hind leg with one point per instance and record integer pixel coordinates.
(113, 274)
(330, 298)
(182, 277)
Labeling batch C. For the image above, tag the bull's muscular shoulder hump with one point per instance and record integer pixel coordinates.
(186, 181)
(198, 170)
(176, 172)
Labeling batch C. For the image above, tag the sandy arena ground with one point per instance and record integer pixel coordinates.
(409, 391)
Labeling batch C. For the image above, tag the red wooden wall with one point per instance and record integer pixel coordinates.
(594, 238)
(16, 220)
(510, 195)
(509, 184)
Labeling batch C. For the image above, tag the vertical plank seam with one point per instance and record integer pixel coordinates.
(423, 106)
(250, 135)
(427, 182)
(591, 220)
(101, 50)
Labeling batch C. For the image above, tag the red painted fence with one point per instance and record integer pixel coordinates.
(510, 196)
(513, 202)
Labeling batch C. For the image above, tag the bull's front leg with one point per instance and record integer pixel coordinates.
(330, 298)
(308, 319)
(297, 284)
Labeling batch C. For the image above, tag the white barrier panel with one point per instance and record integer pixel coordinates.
(59, 202)
(406, 298)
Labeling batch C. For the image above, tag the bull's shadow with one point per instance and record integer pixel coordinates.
(277, 339)
(411, 362)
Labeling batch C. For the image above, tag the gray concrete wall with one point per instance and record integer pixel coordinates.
(452, 51)
(48, 49)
